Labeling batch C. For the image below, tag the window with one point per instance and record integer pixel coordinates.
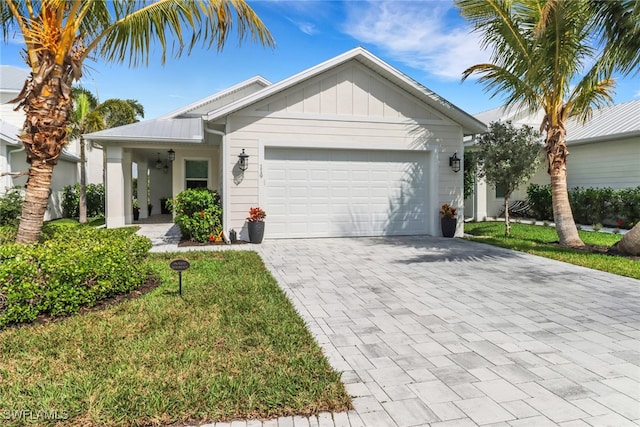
(500, 191)
(197, 173)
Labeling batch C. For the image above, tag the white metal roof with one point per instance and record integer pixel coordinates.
(617, 121)
(12, 78)
(470, 124)
(220, 98)
(9, 133)
(613, 122)
(159, 130)
(179, 126)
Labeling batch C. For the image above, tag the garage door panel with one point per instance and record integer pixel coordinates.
(317, 193)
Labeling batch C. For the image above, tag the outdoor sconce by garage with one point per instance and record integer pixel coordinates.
(243, 161)
(454, 162)
(171, 155)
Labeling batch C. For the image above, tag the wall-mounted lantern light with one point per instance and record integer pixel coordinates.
(171, 155)
(243, 161)
(454, 162)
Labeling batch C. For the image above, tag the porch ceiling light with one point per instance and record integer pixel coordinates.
(243, 161)
(171, 155)
(454, 162)
(158, 162)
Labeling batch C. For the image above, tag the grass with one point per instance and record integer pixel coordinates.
(542, 241)
(232, 347)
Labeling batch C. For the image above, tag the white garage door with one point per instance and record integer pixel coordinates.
(335, 193)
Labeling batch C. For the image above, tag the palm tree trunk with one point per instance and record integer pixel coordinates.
(557, 154)
(46, 99)
(82, 209)
(630, 243)
(35, 201)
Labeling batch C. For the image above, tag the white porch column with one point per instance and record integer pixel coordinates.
(143, 190)
(114, 187)
(480, 199)
(127, 164)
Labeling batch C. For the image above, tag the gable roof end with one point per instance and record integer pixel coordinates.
(470, 124)
(259, 80)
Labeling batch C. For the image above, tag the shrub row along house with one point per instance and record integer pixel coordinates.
(350, 147)
(604, 152)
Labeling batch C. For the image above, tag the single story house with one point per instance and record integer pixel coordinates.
(349, 147)
(604, 152)
(13, 158)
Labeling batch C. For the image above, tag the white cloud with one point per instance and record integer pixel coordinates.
(637, 95)
(305, 27)
(421, 34)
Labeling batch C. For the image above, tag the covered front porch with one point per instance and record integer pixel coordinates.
(161, 172)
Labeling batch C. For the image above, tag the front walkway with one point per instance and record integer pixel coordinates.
(444, 332)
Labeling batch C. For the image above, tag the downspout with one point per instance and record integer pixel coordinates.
(225, 193)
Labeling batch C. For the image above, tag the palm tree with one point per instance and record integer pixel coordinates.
(89, 116)
(554, 55)
(84, 119)
(59, 35)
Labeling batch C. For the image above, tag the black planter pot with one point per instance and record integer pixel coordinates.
(448, 226)
(256, 231)
(136, 214)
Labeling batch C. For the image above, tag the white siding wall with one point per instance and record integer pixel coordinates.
(614, 164)
(348, 105)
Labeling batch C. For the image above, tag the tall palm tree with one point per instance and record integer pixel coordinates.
(59, 35)
(90, 116)
(84, 119)
(557, 56)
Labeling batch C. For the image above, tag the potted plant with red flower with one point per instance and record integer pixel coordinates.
(448, 220)
(255, 224)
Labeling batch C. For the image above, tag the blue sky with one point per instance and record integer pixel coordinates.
(425, 39)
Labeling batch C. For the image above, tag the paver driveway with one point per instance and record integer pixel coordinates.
(432, 331)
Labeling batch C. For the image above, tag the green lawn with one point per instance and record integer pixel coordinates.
(231, 347)
(540, 240)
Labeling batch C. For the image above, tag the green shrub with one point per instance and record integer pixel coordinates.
(198, 213)
(11, 207)
(590, 205)
(539, 200)
(628, 207)
(76, 266)
(71, 200)
(8, 234)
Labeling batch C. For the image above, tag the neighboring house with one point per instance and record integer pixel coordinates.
(350, 147)
(12, 154)
(604, 152)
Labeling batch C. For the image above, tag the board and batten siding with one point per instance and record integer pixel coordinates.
(347, 107)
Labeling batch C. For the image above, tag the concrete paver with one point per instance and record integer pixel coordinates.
(433, 331)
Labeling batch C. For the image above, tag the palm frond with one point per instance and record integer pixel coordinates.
(176, 25)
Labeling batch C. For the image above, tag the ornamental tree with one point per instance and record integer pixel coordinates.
(507, 158)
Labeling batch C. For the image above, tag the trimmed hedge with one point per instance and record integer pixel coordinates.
(75, 266)
(620, 208)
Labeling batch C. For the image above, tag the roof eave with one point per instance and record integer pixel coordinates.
(120, 138)
(603, 138)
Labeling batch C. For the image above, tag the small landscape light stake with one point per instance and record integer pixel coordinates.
(179, 265)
